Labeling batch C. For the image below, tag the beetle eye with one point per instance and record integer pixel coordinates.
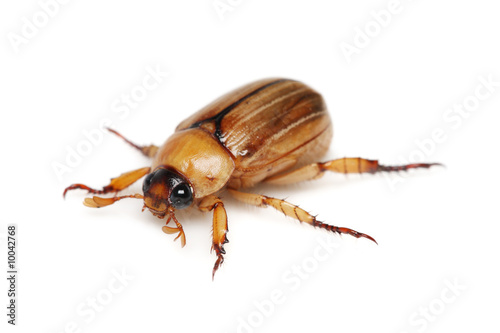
(181, 196)
(147, 182)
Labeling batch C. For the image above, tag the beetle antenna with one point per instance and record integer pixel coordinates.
(98, 202)
(178, 230)
(407, 167)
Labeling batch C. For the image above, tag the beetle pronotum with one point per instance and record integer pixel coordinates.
(266, 131)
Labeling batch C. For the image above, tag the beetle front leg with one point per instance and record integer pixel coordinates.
(293, 211)
(219, 230)
(117, 184)
(342, 165)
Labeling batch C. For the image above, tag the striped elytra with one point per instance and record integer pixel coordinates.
(267, 127)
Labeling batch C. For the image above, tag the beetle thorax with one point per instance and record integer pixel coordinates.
(199, 157)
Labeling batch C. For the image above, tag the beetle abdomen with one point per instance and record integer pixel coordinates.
(268, 126)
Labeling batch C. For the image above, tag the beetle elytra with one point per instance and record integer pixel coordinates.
(272, 130)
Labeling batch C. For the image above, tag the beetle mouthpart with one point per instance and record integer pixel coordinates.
(155, 204)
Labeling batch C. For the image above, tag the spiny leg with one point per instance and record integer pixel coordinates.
(117, 184)
(179, 229)
(342, 165)
(219, 230)
(148, 151)
(293, 211)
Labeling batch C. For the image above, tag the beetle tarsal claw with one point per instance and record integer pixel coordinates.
(218, 262)
(359, 234)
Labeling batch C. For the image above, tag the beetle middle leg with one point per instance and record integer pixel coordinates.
(148, 151)
(219, 230)
(293, 211)
(342, 165)
(117, 184)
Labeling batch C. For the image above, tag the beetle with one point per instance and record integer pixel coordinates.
(272, 130)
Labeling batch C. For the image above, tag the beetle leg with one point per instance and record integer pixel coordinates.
(219, 230)
(342, 165)
(293, 211)
(148, 151)
(117, 184)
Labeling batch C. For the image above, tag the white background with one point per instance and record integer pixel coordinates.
(436, 228)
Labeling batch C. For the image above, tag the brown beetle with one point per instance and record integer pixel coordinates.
(266, 131)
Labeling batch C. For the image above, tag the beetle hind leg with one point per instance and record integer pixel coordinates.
(342, 165)
(117, 184)
(219, 231)
(293, 211)
(148, 151)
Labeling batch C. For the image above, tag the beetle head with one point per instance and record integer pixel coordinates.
(166, 190)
